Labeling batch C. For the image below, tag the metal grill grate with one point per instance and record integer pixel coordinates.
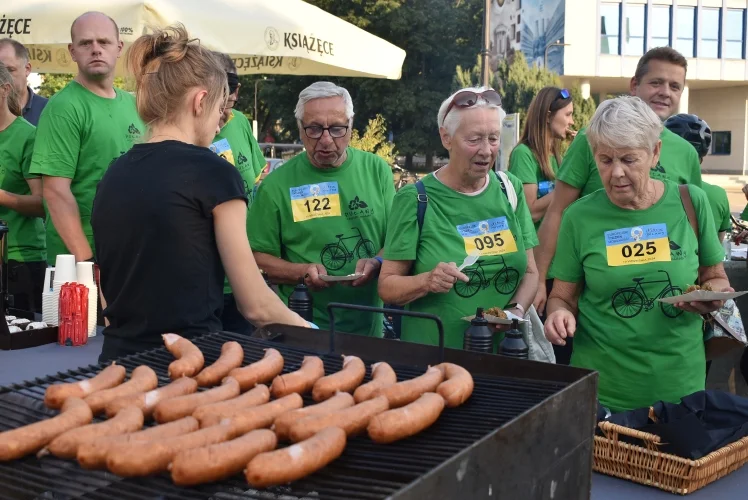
(365, 471)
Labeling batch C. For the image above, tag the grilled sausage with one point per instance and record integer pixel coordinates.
(232, 356)
(284, 422)
(296, 461)
(92, 454)
(255, 397)
(182, 406)
(404, 422)
(220, 461)
(144, 459)
(56, 394)
(143, 379)
(257, 417)
(300, 381)
(457, 386)
(190, 359)
(406, 392)
(17, 443)
(259, 372)
(67, 444)
(147, 401)
(346, 380)
(382, 375)
(352, 420)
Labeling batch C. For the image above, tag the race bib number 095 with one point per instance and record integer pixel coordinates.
(489, 237)
(637, 245)
(315, 201)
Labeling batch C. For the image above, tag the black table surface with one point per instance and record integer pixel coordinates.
(28, 364)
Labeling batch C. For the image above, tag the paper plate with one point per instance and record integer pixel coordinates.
(334, 279)
(701, 296)
(498, 321)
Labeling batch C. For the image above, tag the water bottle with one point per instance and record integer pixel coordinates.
(300, 301)
(727, 246)
(513, 345)
(478, 336)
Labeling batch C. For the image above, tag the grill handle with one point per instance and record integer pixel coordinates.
(353, 307)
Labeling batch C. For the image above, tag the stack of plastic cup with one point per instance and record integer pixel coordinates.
(85, 275)
(50, 299)
(64, 271)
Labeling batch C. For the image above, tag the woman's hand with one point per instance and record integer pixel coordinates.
(541, 297)
(443, 277)
(704, 307)
(560, 325)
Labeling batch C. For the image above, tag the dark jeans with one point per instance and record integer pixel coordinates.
(25, 283)
(562, 352)
(232, 319)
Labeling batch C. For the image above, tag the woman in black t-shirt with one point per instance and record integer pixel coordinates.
(169, 216)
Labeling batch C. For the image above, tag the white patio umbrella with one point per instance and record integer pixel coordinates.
(262, 36)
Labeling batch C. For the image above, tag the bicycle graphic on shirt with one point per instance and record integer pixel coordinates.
(335, 255)
(628, 302)
(505, 280)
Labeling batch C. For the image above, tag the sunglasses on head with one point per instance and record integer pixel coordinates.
(563, 94)
(468, 99)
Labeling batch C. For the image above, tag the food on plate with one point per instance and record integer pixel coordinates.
(14, 329)
(353, 420)
(255, 397)
(17, 443)
(300, 381)
(283, 423)
(232, 356)
(297, 461)
(143, 379)
(346, 380)
(21, 323)
(36, 325)
(66, 445)
(260, 372)
(220, 461)
(190, 359)
(407, 421)
(406, 392)
(92, 454)
(56, 394)
(182, 406)
(147, 401)
(257, 417)
(457, 386)
(496, 312)
(707, 287)
(382, 375)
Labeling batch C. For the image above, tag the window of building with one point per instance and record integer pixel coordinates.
(660, 25)
(734, 34)
(709, 31)
(635, 22)
(610, 28)
(685, 17)
(721, 143)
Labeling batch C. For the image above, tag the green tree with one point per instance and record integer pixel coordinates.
(470, 77)
(374, 140)
(53, 83)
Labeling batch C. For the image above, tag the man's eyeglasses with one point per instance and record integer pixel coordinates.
(468, 99)
(316, 132)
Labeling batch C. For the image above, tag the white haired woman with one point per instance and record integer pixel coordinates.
(466, 211)
(622, 248)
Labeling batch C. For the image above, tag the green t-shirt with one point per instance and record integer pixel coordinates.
(720, 206)
(524, 165)
(237, 145)
(26, 234)
(79, 135)
(744, 213)
(679, 162)
(454, 225)
(333, 217)
(644, 350)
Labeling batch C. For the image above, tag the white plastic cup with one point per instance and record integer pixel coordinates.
(65, 269)
(84, 273)
(48, 279)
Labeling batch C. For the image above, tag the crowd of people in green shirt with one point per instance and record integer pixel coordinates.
(589, 241)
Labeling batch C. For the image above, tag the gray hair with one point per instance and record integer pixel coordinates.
(452, 121)
(225, 61)
(624, 122)
(320, 90)
(20, 49)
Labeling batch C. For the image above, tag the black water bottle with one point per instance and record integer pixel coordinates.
(478, 336)
(300, 301)
(514, 345)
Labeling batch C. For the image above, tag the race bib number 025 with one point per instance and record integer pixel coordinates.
(638, 245)
(489, 237)
(315, 201)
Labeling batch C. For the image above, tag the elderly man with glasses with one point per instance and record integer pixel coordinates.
(323, 214)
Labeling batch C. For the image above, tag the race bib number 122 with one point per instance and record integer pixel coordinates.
(637, 245)
(315, 201)
(489, 237)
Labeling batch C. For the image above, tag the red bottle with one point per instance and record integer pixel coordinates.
(73, 327)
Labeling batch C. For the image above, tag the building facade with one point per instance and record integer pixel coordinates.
(597, 43)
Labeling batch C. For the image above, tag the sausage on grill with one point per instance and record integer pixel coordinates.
(255, 397)
(382, 375)
(259, 372)
(300, 381)
(404, 422)
(182, 406)
(190, 359)
(56, 394)
(352, 420)
(143, 379)
(346, 380)
(232, 356)
(283, 423)
(457, 386)
(147, 401)
(406, 392)
(256, 417)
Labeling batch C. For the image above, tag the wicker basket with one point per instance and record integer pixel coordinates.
(645, 465)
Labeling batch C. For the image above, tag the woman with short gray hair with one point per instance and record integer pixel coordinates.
(620, 250)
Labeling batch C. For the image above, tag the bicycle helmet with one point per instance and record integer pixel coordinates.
(693, 129)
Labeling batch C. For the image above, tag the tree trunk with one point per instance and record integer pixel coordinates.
(408, 161)
(430, 161)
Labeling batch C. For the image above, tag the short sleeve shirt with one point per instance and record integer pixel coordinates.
(720, 206)
(524, 165)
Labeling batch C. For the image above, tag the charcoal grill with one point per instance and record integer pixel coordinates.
(525, 433)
